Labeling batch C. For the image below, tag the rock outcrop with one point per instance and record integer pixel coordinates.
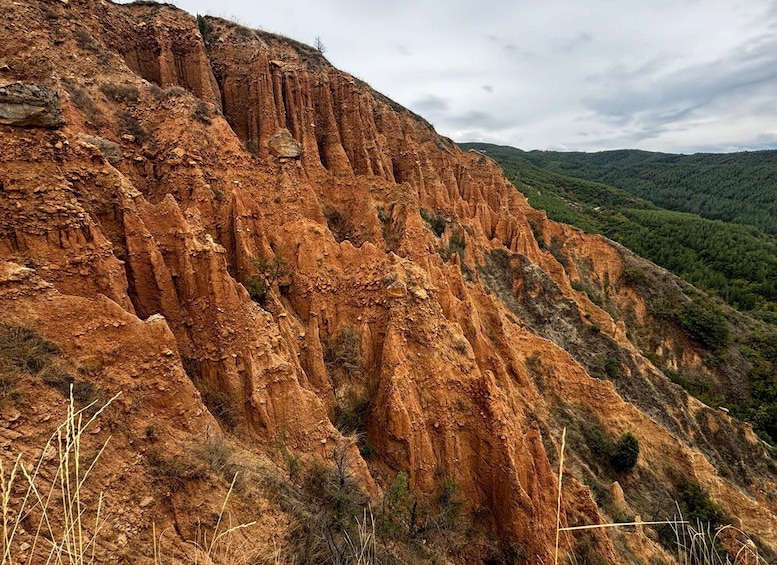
(30, 105)
(469, 350)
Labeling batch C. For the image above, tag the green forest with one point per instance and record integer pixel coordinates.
(735, 187)
(736, 262)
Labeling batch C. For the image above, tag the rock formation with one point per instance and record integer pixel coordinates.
(473, 349)
(29, 105)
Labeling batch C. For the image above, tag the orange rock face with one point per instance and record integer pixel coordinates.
(475, 349)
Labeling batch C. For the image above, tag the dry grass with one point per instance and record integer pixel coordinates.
(220, 545)
(48, 495)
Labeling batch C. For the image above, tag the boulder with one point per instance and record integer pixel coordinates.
(30, 105)
(282, 144)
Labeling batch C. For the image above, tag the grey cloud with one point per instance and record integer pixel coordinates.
(430, 104)
(477, 119)
(650, 104)
(488, 88)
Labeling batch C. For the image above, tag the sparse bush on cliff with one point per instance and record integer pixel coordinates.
(696, 504)
(436, 221)
(205, 27)
(120, 92)
(23, 349)
(621, 455)
(268, 271)
(343, 351)
(83, 102)
(351, 413)
(175, 471)
(222, 405)
(130, 125)
(340, 225)
(625, 453)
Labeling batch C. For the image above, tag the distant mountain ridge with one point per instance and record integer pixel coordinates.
(735, 187)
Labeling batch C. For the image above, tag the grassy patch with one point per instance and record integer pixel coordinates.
(120, 92)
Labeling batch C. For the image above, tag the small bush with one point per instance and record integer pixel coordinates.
(201, 113)
(85, 41)
(436, 221)
(696, 504)
(120, 92)
(537, 233)
(343, 351)
(267, 272)
(107, 148)
(84, 102)
(222, 405)
(206, 29)
(457, 245)
(216, 454)
(341, 226)
(625, 453)
(394, 519)
(174, 470)
(351, 414)
(451, 506)
(620, 456)
(634, 277)
(129, 124)
(23, 349)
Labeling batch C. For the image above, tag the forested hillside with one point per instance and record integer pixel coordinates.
(736, 262)
(735, 187)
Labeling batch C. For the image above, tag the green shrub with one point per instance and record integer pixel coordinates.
(394, 518)
(696, 504)
(206, 29)
(267, 272)
(351, 414)
(436, 221)
(634, 277)
(620, 456)
(625, 453)
(705, 323)
(456, 244)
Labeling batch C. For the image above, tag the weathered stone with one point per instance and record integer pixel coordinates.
(109, 149)
(30, 105)
(282, 144)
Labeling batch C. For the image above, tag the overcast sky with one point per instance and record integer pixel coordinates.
(674, 76)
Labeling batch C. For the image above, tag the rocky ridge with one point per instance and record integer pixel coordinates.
(128, 236)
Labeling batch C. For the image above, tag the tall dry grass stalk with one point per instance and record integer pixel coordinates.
(49, 495)
(361, 549)
(217, 546)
